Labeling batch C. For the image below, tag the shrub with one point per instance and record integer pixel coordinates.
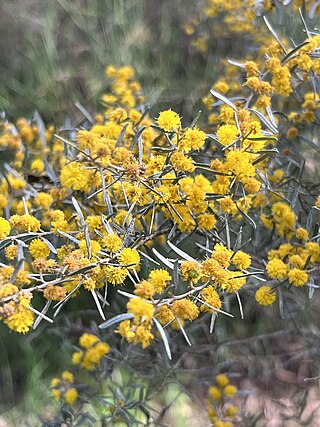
(162, 222)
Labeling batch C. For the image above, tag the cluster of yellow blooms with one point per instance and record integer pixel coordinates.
(93, 228)
(218, 19)
(179, 218)
(64, 389)
(292, 262)
(224, 272)
(278, 67)
(93, 351)
(96, 209)
(221, 411)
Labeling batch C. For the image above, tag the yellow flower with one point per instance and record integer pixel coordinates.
(252, 68)
(297, 277)
(193, 139)
(168, 120)
(313, 249)
(144, 336)
(222, 380)
(302, 234)
(11, 252)
(94, 352)
(71, 396)
(75, 176)
(215, 393)
(54, 292)
(25, 223)
(39, 249)
(230, 390)
(144, 289)
(213, 271)
(265, 295)
(159, 279)
(88, 340)
(227, 134)
(285, 249)
(43, 200)
(93, 355)
(95, 247)
(251, 185)
(263, 101)
(277, 269)
(234, 281)
(56, 394)
(231, 410)
(55, 382)
(222, 255)
(4, 228)
(140, 309)
(221, 87)
(76, 357)
(89, 284)
(211, 297)
(116, 275)
(296, 261)
(8, 289)
(185, 309)
(130, 258)
(190, 271)
(125, 330)
(6, 272)
(241, 260)
(207, 221)
(227, 205)
(182, 162)
(22, 278)
(164, 315)
(37, 166)
(283, 218)
(112, 243)
(67, 376)
(21, 320)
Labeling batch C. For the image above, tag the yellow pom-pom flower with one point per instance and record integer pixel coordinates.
(140, 309)
(297, 277)
(88, 340)
(129, 258)
(4, 228)
(37, 166)
(159, 279)
(241, 260)
(277, 269)
(39, 249)
(71, 396)
(227, 134)
(230, 390)
(265, 295)
(222, 380)
(169, 121)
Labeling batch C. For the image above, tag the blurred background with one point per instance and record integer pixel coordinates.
(54, 53)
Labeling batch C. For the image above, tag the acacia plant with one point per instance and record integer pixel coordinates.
(162, 222)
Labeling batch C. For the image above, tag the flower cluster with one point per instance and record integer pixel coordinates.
(93, 350)
(221, 411)
(63, 388)
(177, 217)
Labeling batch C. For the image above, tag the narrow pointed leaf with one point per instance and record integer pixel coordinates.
(164, 338)
(116, 319)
